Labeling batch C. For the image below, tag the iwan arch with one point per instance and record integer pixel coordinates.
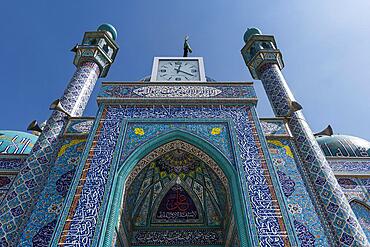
(177, 185)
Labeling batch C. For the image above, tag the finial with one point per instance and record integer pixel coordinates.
(250, 32)
(187, 47)
(57, 106)
(293, 107)
(35, 128)
(328, 131)
(110, 29)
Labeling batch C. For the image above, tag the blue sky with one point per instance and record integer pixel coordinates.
(325, 45)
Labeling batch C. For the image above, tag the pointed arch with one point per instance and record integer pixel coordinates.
(362, 212)
(361, 202)
(126, 170)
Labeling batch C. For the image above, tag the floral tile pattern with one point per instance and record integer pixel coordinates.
(86, 209)
(43, 219)
(308, 227)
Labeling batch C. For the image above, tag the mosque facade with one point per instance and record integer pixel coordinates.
(179, 159)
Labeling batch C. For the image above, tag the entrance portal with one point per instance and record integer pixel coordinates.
(177, 195)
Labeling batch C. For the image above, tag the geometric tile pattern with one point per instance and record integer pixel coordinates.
(85, 211)
(6, 180)
(309, 229)
(274, 127)
(42, 221)
(333, 205)
(32, 176)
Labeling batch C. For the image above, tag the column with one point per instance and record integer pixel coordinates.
(265, 63)
(92, 59)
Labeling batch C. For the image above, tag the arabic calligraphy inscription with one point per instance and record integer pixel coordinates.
(177, 91)
(177, 206)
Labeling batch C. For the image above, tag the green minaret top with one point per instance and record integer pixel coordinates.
(109, 28)
(250, 32)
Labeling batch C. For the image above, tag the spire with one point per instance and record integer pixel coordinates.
(265, 63)
(92, 59)
(187, 47)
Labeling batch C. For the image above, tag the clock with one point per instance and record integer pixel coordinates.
(178, 69)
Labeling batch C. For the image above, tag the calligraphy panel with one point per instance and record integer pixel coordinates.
(177, 207)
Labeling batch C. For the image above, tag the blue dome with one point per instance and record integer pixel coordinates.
(109, 28)
(344, 146)
(250, 32)
(16, 142)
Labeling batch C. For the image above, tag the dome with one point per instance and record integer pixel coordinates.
(250, 32)
(109, 28)
(343, 146)
(16, 142)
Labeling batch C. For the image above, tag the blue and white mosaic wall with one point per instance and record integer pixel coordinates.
(353, 175)
(274, 127)
(31, 179)
(42, 222)
(265, 63)
(308, 227)
(78, 126)
(85, 210)
(357, 191)
(345, 230)
(217, 133)
(6, 180)
(14, 147)
(362, 213)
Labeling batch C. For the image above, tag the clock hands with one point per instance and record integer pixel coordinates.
(168, 74)
(179, 70)
(186, 73)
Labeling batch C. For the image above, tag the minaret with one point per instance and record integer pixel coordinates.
(93, 59)
(265, 63)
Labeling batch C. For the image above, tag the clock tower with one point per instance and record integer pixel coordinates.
(178, 69)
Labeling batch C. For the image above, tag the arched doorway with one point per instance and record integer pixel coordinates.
(177, 195)
(362, 212)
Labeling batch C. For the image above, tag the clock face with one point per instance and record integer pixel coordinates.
(178, 70)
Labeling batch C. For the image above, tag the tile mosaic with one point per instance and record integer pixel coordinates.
(37, 165)
(316, 168)
(85, 208)
(307, 224)
(42, 221)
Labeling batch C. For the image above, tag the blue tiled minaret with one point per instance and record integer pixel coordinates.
(93, 59)
(265, 63)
